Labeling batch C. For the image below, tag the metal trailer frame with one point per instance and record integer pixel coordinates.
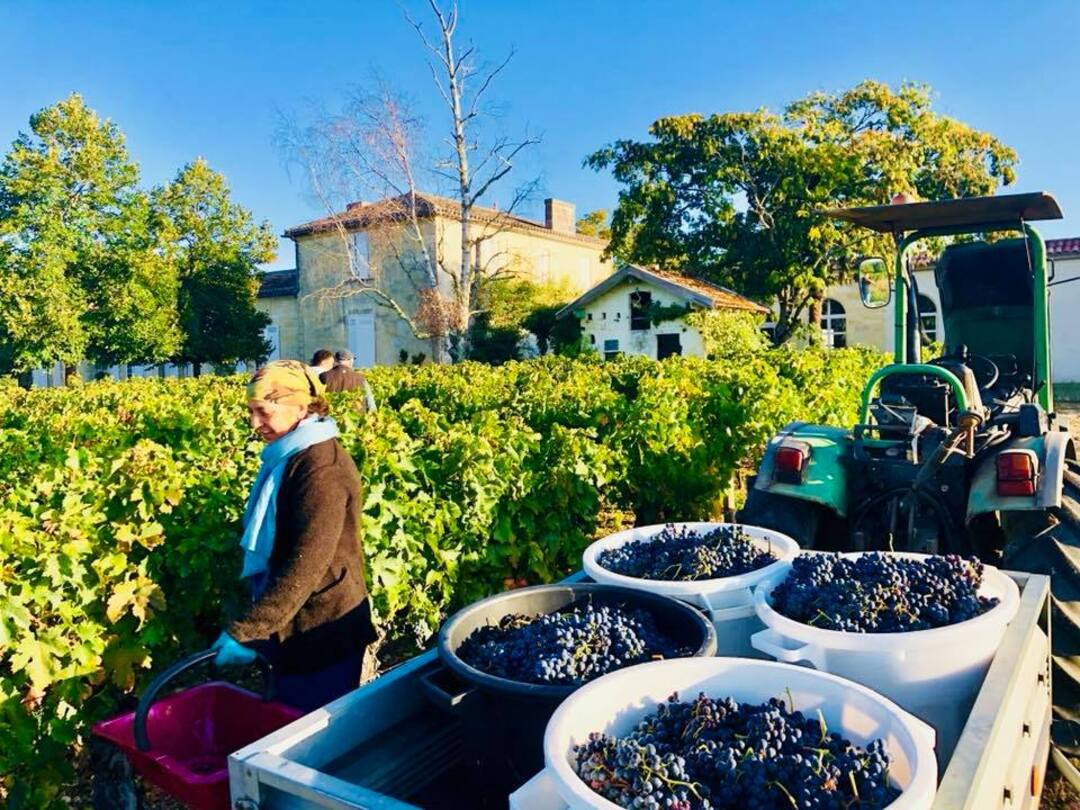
(389, 735)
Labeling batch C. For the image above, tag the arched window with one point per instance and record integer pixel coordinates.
(834, 323)
(928, 316)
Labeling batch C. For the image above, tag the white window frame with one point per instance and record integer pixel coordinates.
(830, 319)
(932, 312)
(360, 254)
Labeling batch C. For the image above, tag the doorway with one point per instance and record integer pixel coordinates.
(668, 345)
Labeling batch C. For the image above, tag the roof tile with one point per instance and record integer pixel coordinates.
(361, 215)
(279, 284)
(720, 296)
(1069, 246)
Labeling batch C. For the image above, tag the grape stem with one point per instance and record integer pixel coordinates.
(780, 785)
(650, 773)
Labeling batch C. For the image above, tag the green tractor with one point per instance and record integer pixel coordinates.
(962, 454)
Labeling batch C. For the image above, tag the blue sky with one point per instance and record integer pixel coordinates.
(209, 78)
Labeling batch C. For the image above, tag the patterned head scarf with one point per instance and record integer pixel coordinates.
(288, 382)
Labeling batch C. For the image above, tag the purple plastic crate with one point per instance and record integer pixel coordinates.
(192, 733)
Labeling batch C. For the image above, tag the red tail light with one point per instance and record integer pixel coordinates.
(791, 462)
(1017, 472)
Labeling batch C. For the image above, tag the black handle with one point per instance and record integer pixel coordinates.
(142, 741)
(448, 701)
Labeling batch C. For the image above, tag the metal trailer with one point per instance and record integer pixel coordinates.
(385, 744)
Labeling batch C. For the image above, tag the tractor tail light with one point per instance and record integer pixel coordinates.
(1017, 471)
(791, 462)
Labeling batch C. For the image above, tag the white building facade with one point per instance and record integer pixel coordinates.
(620, 314)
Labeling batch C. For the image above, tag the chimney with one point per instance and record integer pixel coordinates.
(559, 216)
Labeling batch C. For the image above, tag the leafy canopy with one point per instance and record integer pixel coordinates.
(216, 246)
(594, 223)
(92, 267)
(736, 197)
(514, 304)
(81, 271)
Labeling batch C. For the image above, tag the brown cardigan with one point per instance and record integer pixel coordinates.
(314, 611)
(342, 378)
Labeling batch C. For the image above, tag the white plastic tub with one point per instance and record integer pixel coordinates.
(934, 674)
(728, 601)
(616, 702)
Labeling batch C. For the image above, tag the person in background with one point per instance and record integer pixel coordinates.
(309, 614)
(343, 377)
(322, 360)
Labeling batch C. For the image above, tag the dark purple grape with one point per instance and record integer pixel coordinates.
(569, 647)
(716, 754)
(881, 593)
(682, 554)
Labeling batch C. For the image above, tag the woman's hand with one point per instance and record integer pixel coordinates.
(231, 652)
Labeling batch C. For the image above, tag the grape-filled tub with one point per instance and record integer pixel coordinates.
(728, 601)
(615, 703)
(503, 718)
(934, 673)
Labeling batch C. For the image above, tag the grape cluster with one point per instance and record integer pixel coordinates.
(881, 593)
(687, 555)
(569, 647)
(711, 754)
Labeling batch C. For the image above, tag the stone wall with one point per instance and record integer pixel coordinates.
(392, 258)
(285, 314)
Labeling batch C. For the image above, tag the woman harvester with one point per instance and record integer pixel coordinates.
(309, 613)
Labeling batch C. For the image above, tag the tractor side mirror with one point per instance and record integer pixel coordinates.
(875, 285)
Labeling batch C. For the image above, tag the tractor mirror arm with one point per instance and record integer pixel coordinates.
(1063, 281)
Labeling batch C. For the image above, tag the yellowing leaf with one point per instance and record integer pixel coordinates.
(34, 658)
(121, 597)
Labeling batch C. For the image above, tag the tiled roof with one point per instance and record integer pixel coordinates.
(721, 297)
(279, 284)
(1063, 247)
(692, 289)
(394, 209)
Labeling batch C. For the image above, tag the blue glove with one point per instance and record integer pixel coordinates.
(231, 652)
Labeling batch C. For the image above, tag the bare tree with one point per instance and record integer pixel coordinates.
(463, 87)
(376, 148)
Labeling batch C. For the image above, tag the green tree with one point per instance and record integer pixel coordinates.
(134, 274)
(561, 336)
(729, 334)
(595, 223)
(512, 306)
(82, 274)
(737, 197)
(216, 246)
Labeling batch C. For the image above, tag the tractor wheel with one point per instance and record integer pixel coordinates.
(1055, 550)
(797, 519)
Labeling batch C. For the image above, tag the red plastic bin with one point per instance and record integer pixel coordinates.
(188, 736)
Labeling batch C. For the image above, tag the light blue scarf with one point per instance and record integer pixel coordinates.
(260, 517)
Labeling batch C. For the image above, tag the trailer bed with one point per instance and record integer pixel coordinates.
(384, 746)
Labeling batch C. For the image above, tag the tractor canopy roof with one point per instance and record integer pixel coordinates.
(959, 216)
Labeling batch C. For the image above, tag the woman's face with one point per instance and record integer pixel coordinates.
(272, 420)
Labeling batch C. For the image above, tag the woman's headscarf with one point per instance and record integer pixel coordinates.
(288, 382)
